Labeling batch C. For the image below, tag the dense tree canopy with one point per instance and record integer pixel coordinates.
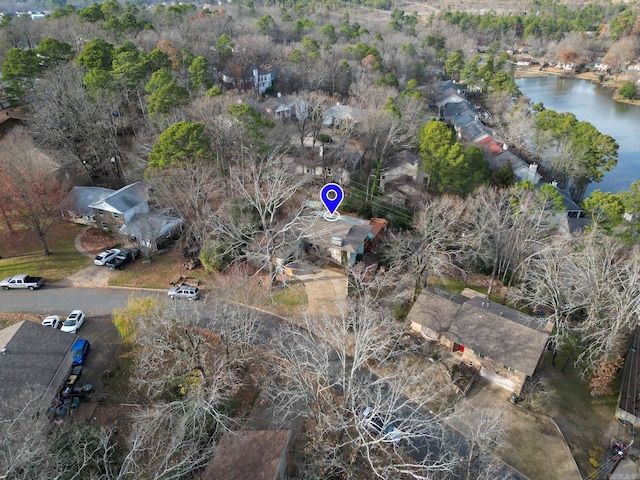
(450, 167)
(183, 141)
(594, 153)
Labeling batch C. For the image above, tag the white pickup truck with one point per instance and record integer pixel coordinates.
(22, 281)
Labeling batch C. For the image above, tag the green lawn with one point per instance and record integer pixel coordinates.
(288, 301)
(21, 252)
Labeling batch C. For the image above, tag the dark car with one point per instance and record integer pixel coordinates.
(124, 257)
(80, 350)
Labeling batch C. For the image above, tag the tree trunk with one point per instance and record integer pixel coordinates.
(43, 242)
(569, 358)
(493, 276)
(7, 221)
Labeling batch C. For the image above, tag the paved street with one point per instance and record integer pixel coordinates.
(54, 300)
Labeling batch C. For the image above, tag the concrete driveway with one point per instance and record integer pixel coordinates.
(326, 289)
(536, 446)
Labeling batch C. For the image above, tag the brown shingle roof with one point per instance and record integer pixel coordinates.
(500, 333)
(491, 329)
(249, 455)
(6, 115)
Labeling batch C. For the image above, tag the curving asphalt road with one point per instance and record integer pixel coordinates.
(53, 300)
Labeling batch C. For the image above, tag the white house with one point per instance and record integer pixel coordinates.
(262, 78)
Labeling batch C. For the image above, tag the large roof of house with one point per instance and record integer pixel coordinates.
(489, 146)
(6, 115)
(319, 231)
(33, 356)
(341, 112)
(249, 454)
(145, 225)
(473, 130)
(124, 199)
(79, 199)
(448, 89)
(436, 309)
(401, 158)
(491, 329)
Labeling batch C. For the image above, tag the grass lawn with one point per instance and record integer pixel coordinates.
(162, 270)
(21, 252)
(585, 422)
(291, 300)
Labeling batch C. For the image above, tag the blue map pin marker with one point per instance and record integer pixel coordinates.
(331, 195)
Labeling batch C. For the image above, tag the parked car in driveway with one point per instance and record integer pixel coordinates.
(104, 257)
(73, 322)
(375, 424)
(124, 257)
(52, 321)
(184, 291)
(79, 351)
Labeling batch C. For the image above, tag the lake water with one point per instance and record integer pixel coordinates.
(593, 103)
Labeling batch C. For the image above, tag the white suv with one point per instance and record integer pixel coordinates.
(104, 257)
(73, 322)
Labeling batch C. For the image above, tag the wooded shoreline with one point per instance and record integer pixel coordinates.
(537, 71)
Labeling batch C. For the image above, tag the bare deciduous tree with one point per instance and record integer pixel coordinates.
(170, 441)
(192, 191)
(310, 109)
(433, 247)
(265, 186)
(30, 187)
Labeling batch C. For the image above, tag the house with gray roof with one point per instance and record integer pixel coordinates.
(117, 209)
(449, 92)
(342, 240)
(35, 357)
(338, 113)
(460, 114)
(402, 167)
(76, 205)
(151, 230)
(502, 344)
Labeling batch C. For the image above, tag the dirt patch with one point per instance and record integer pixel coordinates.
(8, 319)
(96, 240)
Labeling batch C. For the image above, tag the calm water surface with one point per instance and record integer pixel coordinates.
(594, 104)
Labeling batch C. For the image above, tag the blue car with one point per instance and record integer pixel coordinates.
(80, 350)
